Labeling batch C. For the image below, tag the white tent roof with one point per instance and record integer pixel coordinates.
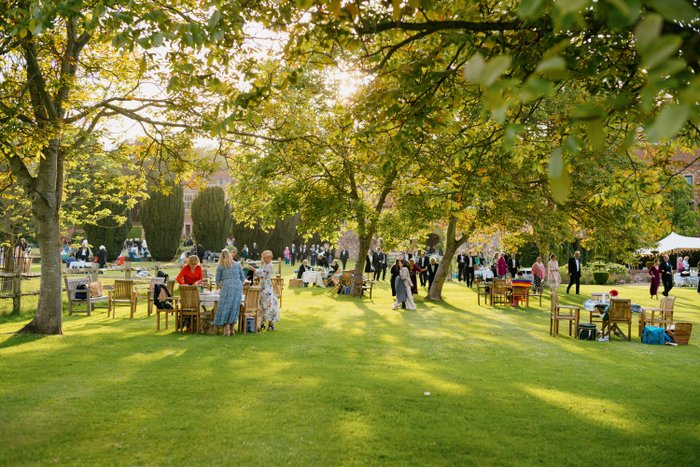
(674, 243)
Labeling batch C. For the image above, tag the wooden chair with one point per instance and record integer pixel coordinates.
(558, 313)
(499, 292)
(620, 312)
(521, 294)
(151, 287)
(367, 286)
(190, 307)
(537, 291)
(74, 292)
(665, 314)
(123, 294)
(483, 288)
(250, 310)
(278, 285)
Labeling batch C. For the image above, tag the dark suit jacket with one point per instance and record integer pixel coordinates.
(344, 254)
(461, 259)
(572, 267)
(666, 269)
(368, 264)
(432, 270)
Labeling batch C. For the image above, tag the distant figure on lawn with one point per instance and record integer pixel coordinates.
(553, 273)
(404, 296)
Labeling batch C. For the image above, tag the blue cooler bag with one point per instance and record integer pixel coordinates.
(654, 335)
(250, 325)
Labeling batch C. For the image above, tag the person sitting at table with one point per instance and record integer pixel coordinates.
(302, 269)
(269, 304)
(191, 273)
(83, 253)
(229, 281)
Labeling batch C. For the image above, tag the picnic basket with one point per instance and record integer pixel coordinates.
(681, 333)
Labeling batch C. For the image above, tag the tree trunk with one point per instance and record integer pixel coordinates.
(451, 245)
(49, 313)
(365, 241)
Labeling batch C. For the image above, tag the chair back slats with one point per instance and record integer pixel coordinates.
(620, 309)
(252, 299)
(189, 298)
(123, 289)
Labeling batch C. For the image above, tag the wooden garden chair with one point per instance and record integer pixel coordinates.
(665, 314)
(190, 307)
(278, 285)
(499, 292)
(151, 287)
(558, 313)
(74, 292)
(619, 312)
(250, 309)
(123, 293)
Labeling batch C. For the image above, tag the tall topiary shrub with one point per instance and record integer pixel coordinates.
(110, 230)
(162, 217)
(211, 218)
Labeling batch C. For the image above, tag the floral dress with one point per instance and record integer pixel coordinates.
(269, 305)
(231, 282)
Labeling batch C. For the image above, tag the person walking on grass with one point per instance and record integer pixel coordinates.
(575, 271)
(553, 273)
(666, 269)
(655, 274)
(404, 296)
(229, 280)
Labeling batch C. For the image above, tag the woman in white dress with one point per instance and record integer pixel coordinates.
(403, 288)
(553, 273)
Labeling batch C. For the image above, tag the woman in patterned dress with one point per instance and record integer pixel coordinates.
(229, 279)
(269, 305)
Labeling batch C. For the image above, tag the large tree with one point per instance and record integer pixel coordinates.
(69, 66)
(211, 218)
(162, 217)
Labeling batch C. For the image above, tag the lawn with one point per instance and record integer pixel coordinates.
(343, 381)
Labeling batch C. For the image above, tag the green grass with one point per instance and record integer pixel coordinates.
(342, 381)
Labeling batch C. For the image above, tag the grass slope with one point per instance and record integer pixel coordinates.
(342, 381)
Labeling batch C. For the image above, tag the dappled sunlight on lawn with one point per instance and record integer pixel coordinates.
(603, 411)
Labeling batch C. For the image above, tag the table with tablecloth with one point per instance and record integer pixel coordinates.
(313, 277)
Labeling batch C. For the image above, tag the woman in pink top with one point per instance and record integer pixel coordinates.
(538, 272)
(501, 266)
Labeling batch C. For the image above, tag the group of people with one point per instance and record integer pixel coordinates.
(404, 277)
(661, 272)
(315, 255)
(230, 278)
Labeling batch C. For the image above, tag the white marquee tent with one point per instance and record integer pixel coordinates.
(674, 243)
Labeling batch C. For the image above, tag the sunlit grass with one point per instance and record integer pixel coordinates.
(342, 381)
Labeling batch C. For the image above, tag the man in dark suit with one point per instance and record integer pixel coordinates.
(293, 254)
(423, 263)
(377, 264)
(666, 269)
(383, 260)
(514, 265)
(432, 272)
(575, 271)
(469, 264)
(200, 252)
(461, 272)
(254, 252)
(344, 255)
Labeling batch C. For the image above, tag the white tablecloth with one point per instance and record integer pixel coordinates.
(313, 277)
(685, 281)
(484, 273)
(79, 265)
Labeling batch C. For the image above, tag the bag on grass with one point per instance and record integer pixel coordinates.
(654, 335)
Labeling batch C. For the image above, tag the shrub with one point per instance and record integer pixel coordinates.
(211, 218)
(162, 217)
(600, 277)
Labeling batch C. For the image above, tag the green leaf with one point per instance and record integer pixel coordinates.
(660, 50)
(668, 122)
(674, 10)
(415, 3)
(595, 132)
(571, 6)
(551, 65)
(305, 3)
(494, 69)
(530, 9)
(396, 13)
(474, 68)
(647, 31)
(624, 13)
(559, 178)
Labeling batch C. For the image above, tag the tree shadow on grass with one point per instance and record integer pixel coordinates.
(19, 339)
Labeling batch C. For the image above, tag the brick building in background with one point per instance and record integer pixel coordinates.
(689, 166)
